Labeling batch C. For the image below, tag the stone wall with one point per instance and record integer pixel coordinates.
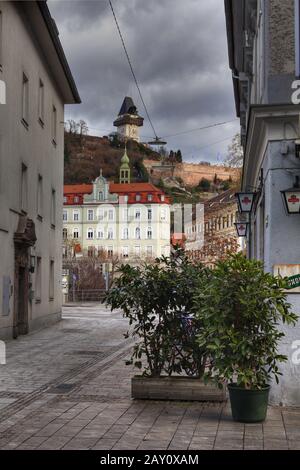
(191, 173)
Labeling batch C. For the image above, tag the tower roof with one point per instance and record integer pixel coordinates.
(125, 160)
(128, 107)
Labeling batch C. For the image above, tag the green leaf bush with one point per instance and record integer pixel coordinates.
(240, 309)
(157, 298)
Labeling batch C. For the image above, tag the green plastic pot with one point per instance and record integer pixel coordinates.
(248, 406)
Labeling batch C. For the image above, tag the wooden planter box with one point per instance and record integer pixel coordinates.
(175, 388)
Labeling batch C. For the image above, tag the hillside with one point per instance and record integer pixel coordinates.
(84, 156)
(183, 182)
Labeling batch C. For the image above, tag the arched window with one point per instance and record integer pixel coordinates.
(65, 233)
(75, 233)
(110, 234)
(100, 233)
(90, 233)
(149, 233)
(100, 196)
(138, 233)
(125, 233)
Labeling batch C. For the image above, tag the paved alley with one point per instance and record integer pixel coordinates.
(66, 387)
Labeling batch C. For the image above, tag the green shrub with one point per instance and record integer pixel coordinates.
(157, 298)
(240, 309)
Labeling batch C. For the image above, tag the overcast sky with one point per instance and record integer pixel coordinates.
(179, 53)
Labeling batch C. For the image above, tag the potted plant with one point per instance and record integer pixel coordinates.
(240, 310)
(157, 299)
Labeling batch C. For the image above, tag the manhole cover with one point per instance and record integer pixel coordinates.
(62, 388)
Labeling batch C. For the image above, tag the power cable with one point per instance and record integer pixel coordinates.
(131, 68)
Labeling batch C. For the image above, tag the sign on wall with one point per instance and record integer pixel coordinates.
(292, 272)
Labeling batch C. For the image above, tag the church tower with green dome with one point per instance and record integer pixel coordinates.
(125, 168)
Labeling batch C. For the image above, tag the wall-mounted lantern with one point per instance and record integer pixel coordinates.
(242, 228)
(32, 263)
(291, 198)
(297, 148)
(245, 202)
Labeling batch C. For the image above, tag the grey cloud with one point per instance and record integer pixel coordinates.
(179, 52)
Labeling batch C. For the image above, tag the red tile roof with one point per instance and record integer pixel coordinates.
(133, 188)
(78, 188)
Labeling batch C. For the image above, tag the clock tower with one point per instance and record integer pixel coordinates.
(128, 121)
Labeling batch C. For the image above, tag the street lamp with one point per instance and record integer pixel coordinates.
(297, 148)
(242, 228)
(291, 198)
(245, 202)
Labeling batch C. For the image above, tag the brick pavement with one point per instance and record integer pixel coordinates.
(66, 387)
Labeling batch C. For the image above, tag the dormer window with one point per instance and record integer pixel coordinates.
(76, 199)
(162, 197)
(138, 197)
(100, 196)
(150, 197)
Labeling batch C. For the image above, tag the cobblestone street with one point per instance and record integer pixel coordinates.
(66, 387)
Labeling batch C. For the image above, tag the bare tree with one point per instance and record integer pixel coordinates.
(235, 153)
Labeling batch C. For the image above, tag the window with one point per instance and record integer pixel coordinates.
(53, 208)
(24, 188)
(137, 251)
(125, 251)
(91, 251)
(54, 125)
(76, 199)
(40, 197)
(111, 214)
(76, 216)
(125, 234)
(163, 213)
(149, 251)
(100, 234)
(75, 233)
(149, 233)
(65, 216)
(41, 103)
(110, 234)
(90, 214)
(51, 280)
(25, 100)
(149, 197)
(137, 214)
(100, 196)
(90, 233)
(126, 198)
(138, 197)
(110, 251)
(1, 40)
(162, 197)
(65, 234)
(38, 279)
(138, 233)
(65, 199)
(149, 214)
(101, 214)
(125, 215)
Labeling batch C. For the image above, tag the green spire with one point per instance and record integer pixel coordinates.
(125, 168)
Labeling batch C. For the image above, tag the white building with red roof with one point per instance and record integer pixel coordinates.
(128, 220)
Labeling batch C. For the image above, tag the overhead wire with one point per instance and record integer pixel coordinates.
(131, 68)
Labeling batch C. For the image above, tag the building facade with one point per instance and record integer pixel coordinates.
(38, 84)
(212, 235)
(263, 45)
(124, 220)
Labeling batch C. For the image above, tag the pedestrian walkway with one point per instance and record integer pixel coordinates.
(66, 387)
